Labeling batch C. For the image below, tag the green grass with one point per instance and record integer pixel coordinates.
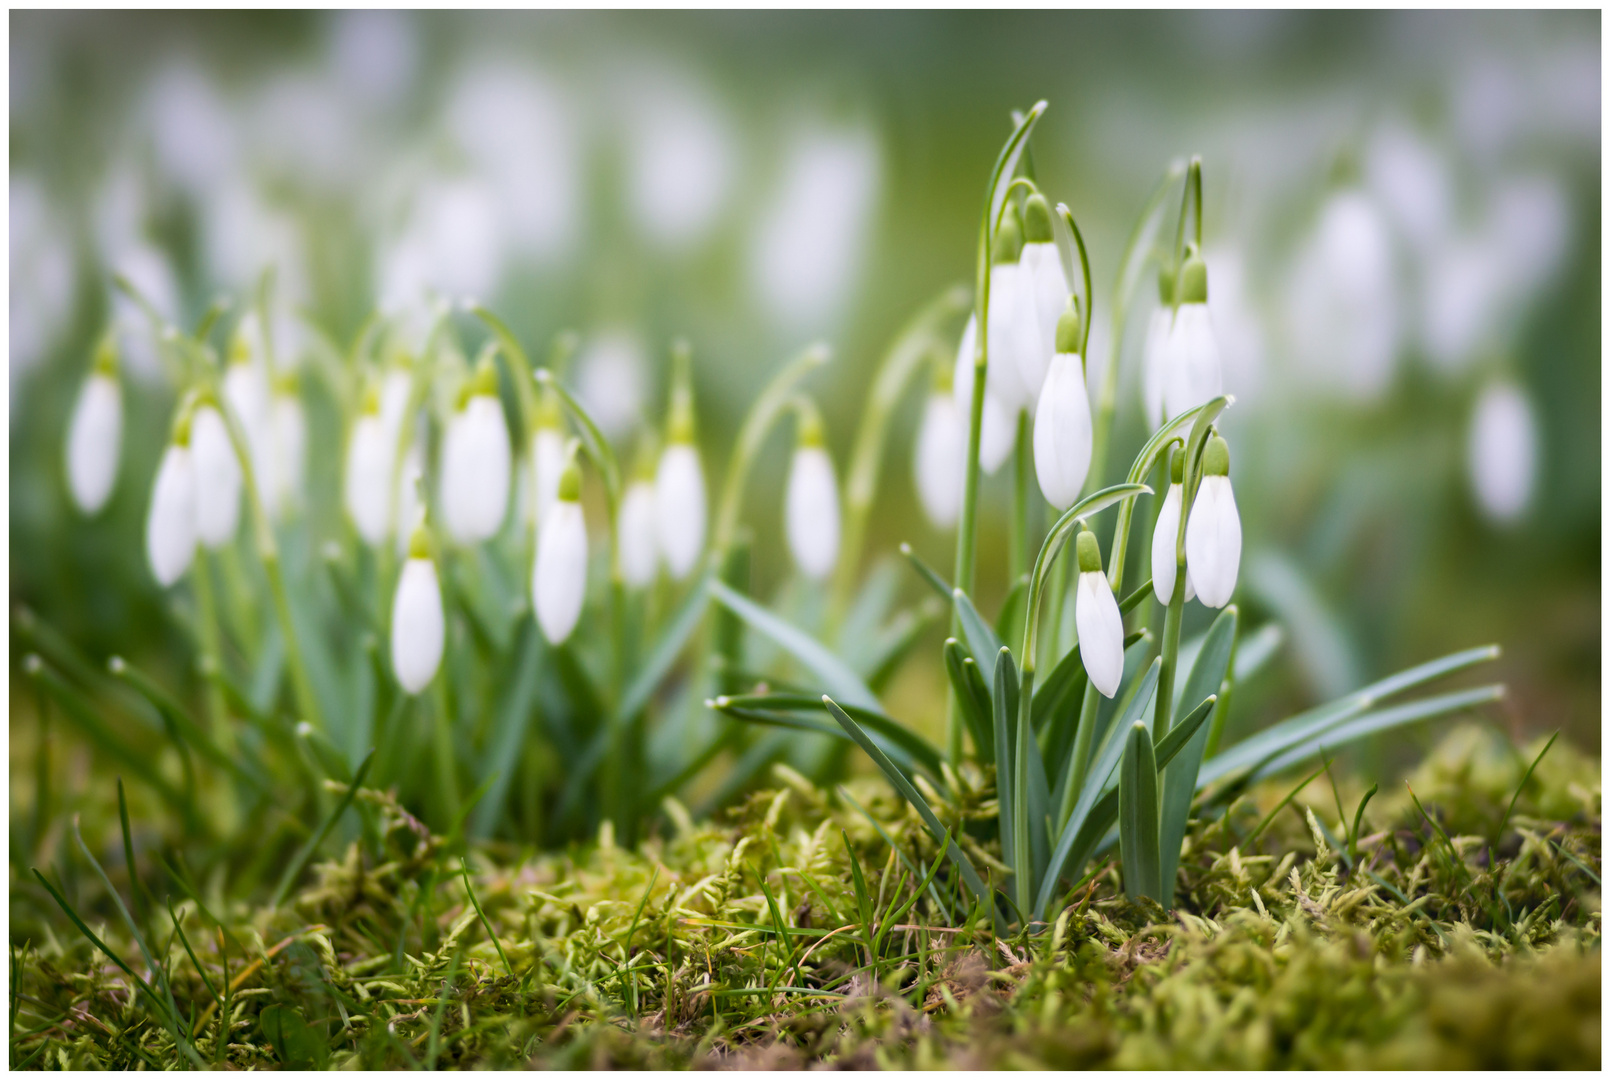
(743, 941)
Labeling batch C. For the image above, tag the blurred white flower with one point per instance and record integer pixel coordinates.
(1465, 293)
(999, 422)
(680, 157)
(640, 551)
(811, 509)
(1502, 452)
(148, 270)
(288, 431)
(170, 524)
(1342, 300)
(1410, 179)
(1531, 217)
(454, 245)
(559, 578)
(242, 236)
(1096, 616)
(410, 477)
(1062, 439)
(938, 464)
(193, 128)
(680, 507)
(1192, 373)
(476, 465)
(218, 478)
(1489, 106)
(374, 54)
(367, 482)
(610, 378)
(517, 130)
(304, 129)
(548, 462)
(246, 389)
(1237, 328)
(1154, 351)
(95, 435)
(808, 247)
(418, 630)
(1044, 294)
(1214, 530)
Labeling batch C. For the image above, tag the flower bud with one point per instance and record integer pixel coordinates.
(218, 478)
(1191, 374)
(1045, 294)
(1096, 616)
(476, 462)
(417, 622)
(170, 525)
(1063, 420)
(547, 451)
(939, 463)
(640, 548)
(1502, 452)
(811, 507)
(1166, 535)
(559, 578)
(1214, 531)
(370, 450)
(680, 482)
(95, 432)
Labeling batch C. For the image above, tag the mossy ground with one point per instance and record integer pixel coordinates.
(1430, 949)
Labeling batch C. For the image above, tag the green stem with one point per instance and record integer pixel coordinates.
(904, 357)
(447, 781)
(1164, 711)
(1080, 755)
(1018, 524)
(1023, 860)
(207, 630)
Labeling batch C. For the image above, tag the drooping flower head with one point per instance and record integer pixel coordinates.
(547, 450)
(1011, 321)
(418, 630)
(476, 461)
(811, 502)
(1191, 373)
(1096, 616)
(640, 541)
(1213, 530)
(559, 578)
(218, 476)
(680, 505)
(95, 431)
(1063, 417)
(940, 460)
(170, 524)
(1166, 534)
(368, 474)
(1045, 291)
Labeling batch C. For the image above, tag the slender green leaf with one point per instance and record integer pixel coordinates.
(1208, 672)
(1138, 814)
(1010, 619)
(672, 639)
(294, 867)
(981, 640)
(835, 674)
(973, 698)
(930, 576)
(782, 709)
(864, 901)
(1004, 718)
(934, 894)
(1504, 820)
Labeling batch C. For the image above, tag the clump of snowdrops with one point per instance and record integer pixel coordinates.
(525, 641)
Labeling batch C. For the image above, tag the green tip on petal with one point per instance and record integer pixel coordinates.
(419, 541)
(370, 405)
(550, 413)
(1216, 457)
(105, 360)
(1177, 467)
(1037, 220)
(1166, 285)
(570, 482)
(809, 430)
(1088, 552)
(1193, 278)
(182, 421)
(1009, 239)
(1068, 328)
(485, 380)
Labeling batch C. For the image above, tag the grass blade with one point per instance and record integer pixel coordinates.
(672, 639)
(1528, 775)
(864, 901)
(934, 894)
(892, 732)
(836, 675)
(295, 866)
(973, 697)
(486, 923)
(1003, 718)
(1138, 814)
(929, 575)
(981, 640)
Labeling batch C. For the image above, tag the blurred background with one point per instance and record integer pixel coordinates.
(1401, 227)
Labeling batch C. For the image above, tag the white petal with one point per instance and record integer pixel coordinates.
(1154, 359)
(640, 548)
(170, 525)
(1502, 452)
(394, 392)
(475, 471)
(559, 579)
(218, 478)
(1063, 432)
(1008, 340)
(998, 428)
(938, 464)
(1164, 537)
(548, 462)
(417, 628)
(1047, 297)
(1214, 541)
(680, 508)
(811, 512)
(94, 435)
(1096, 615)
(289, 427)
(369, 478)
(408, 500)
(1192, 369)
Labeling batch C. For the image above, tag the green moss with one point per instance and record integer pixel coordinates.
(1424, 953)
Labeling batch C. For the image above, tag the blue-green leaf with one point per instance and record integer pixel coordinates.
(835, 674)
(1208, 672)
(1138, 813)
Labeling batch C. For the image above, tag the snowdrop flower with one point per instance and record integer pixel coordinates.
(1044, 292)
(640, 548)
(410, 480)
(1063, 419)
(370, 450)
(939, 464)
(218, 478)
(1343, 298)
(246, 388)
(1502, 452)
(679, 486)
(1166, 535)
(811, 501)
(288, 435)
(559, 579)
(1011, 325)
(998, 427)
(1096, 615)
(547, 452)
(1213, 531)
(1155, 350)
(170, 524)
(417, 624)
(95, 431)
(476, 461)
(1191, 373)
